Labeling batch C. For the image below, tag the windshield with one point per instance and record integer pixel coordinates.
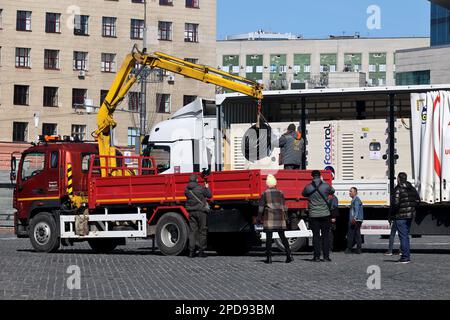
(33, 164)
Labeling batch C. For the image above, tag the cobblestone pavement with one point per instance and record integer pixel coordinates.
(135, 272)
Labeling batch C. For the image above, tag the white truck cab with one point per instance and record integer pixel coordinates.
(185, 142)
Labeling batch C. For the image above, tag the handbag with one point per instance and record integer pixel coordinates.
(205, 204)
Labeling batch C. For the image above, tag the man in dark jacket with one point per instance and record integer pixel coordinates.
(406, 199)
(197, 196)
(317, 193)
(291, 148)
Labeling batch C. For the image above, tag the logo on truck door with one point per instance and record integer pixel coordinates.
(328, 148)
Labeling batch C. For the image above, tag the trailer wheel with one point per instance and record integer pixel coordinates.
(296, 244)
(172, 234)
(43, 233)
(104, 245)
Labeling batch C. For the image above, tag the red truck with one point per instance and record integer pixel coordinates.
(140, 205)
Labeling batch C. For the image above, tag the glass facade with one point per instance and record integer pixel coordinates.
(440, 25)
(412, 78)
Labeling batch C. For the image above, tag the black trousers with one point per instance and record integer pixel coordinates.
(354, 234)
(198, 230)
(291, 167)
(321, 235)
(269, 237)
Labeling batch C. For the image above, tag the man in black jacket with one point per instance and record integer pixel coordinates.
(406, 199)
(291, 148)
(197, 196)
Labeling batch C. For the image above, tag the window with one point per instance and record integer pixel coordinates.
(49, 129)
(81, 25)
(80, 60)
(161, 154)
(23, 22)
(78, 131)
(137, 1)
(78, 97)
(21, 95)
(133, 136)
(166, 2)
(23, 57)
(191, 60)
(108, 62)
(52, 22)
(103, 94)
(137, 29)
(134, 99)
(188, 99)
(164, 30)
(33, 164)
(191, 32)
(412, 78)
(86, 162)
(51, 59)
(20, 131)
(54, 159)
(192, 3)
(163, 103)
(50, 96)
(109, 27)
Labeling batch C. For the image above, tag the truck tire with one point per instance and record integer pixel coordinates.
(172, 234)
(296, 244)
(104, 245)
(43, 233)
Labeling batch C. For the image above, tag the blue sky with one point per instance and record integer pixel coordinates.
(320, 18)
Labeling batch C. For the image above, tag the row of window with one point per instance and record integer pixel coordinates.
(109, 26)
(80, 60)
(20, 132)
(51, 60)
(79, 96)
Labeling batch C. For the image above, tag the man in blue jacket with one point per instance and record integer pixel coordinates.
(356, 217)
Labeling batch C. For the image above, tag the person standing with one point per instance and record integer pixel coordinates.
(406, 200)
(272, 213)
(291, 148)
(317, 193)
(356, 217)
(333, 203)
(198, 209)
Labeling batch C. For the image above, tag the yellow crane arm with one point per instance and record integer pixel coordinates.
(124, 80)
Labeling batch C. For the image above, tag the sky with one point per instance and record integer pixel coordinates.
(321, 18)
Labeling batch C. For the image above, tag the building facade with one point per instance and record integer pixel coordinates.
(309, 63)
(56, 57)
(428, 65)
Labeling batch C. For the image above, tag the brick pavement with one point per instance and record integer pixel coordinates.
(134, 272)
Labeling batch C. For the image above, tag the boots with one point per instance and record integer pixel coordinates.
(289, 258)
(269, 257)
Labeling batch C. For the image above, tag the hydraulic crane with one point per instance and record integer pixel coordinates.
(125, 79)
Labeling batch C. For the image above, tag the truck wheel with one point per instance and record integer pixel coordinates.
(172, 234)
(103, 245)
(44, 235)
(296, 244)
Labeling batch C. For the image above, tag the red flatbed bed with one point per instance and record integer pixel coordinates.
(168, 189)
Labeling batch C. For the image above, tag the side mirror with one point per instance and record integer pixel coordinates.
(13, 163)
(12, 174)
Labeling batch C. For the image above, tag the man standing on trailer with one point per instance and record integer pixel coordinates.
(198, 209)
(317, 193)
(406, 199)
(291, 148)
